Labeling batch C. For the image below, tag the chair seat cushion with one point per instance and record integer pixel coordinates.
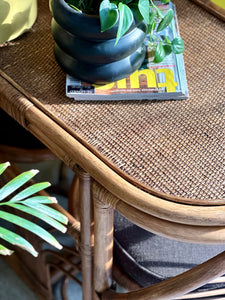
(148, 258)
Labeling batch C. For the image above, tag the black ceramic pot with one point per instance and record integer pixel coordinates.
(83, 51)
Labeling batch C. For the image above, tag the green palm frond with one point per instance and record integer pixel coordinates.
(15, 239)
(5, 251)
(27, 201)
(31, 190)
(16, 183)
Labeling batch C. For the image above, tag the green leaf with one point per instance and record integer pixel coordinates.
(3, 167)
(159, 12)
(5, 251)
(17, 182)
(167, 49)
(136, 12)
(31, 190)
(108, 14)
(165, 1)
(39, 199)
(166, 20)
(151, 27)
(159, 54)
(48, 211)
(178, 45)
(152, 16)
(36, 229)
(144, 8)
(167, 40)
(17, 240)
(39, 215)
(125, 20)
(74, 7)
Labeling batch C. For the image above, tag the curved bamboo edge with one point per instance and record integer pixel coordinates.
(78, 154)
(57, 139)
(105, 160)
(178, 285)
(168, 229)
(123, 279)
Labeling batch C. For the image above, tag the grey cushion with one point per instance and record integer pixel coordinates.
(148, 258)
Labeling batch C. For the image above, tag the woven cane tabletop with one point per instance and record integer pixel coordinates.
(172, 147)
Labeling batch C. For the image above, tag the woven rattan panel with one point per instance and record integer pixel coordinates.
(175, 147)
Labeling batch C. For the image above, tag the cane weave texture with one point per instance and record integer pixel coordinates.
(172, 147)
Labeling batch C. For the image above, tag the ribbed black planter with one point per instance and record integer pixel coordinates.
(83, 51)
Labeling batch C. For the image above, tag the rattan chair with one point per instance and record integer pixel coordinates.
(180, 228)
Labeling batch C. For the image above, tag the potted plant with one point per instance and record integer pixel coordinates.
(103, 41)
(16, 17)
(27, 201)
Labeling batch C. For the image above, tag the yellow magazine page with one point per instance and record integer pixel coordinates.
(219, 3)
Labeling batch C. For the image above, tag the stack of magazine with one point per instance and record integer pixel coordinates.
(153, 81)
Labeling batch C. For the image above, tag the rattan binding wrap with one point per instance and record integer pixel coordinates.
(171, 147)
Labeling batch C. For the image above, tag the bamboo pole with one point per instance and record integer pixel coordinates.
(86, 243)
(103, 247)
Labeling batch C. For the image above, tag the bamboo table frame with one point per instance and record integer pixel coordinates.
(97, 180)
(180, 221)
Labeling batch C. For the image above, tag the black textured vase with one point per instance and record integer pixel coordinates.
(83, 51)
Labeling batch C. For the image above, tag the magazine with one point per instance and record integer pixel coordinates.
(153, 81)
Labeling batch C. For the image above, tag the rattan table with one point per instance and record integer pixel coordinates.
(156, 151)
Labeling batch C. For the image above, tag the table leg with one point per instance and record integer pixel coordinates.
(103, 244)
(86, 232)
